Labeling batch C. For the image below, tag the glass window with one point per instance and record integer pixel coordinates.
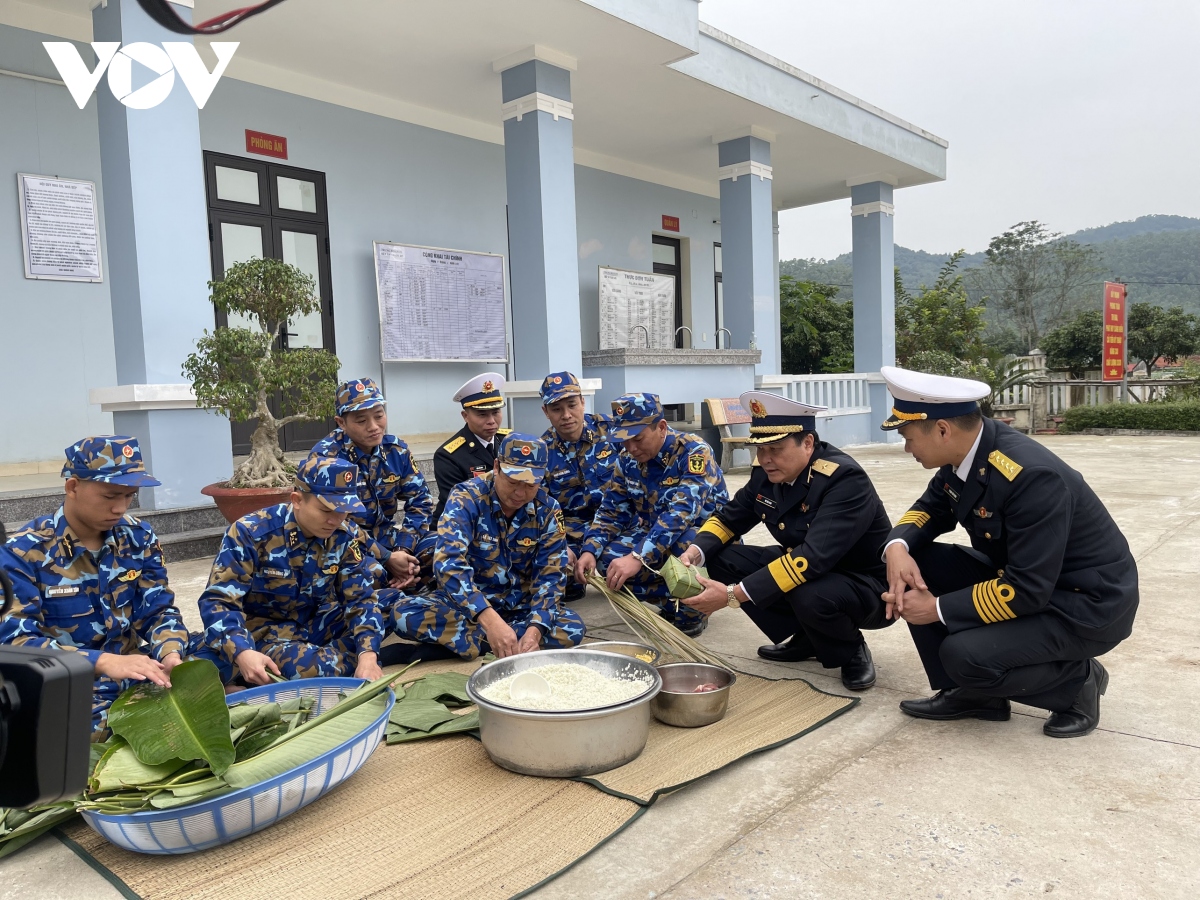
(296, 194)
(237, 185)
(665, 254)
(238, 244)
(717, 259)
(300, 250)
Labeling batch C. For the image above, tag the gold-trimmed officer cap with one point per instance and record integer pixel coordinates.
(773, 418)
(481, 392)
(917, 396)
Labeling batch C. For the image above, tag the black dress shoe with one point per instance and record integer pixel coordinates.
(402, 654)
(1084, 714)
(956, 703)
(575, 591)
(796, 648)
(859, 673)
(694, 630)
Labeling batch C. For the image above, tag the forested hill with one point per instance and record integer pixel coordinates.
(1147, 249)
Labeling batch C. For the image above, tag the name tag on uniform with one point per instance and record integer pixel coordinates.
(952, 492)
(276, 573)
(479, 469)
(765, 501)
(62, 590)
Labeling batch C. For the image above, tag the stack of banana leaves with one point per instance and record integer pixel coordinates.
(176, 746)
(426, 708)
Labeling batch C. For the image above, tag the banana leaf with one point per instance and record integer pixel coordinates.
(122, 769)
(242, 715)
(449, 688)
(197, 788)
(32, 825)
(363, 694)
(189, 720)
(422, 715)
(315, 737)
(169, 801)
(260, 740)
(465, 722)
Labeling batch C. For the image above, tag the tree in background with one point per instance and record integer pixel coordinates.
(1155, 333)
(1035, 279)
(816, 330)
(1076, 346)
(939, 318)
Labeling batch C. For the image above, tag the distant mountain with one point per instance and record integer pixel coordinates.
(1148, 249)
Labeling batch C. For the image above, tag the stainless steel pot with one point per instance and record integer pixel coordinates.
(625, 648)
(568, 743)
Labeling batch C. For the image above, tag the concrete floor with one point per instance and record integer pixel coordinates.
(876, 804)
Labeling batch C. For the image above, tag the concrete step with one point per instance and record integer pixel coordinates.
(199, 543)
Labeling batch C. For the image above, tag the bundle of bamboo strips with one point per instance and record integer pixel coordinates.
(654, 629)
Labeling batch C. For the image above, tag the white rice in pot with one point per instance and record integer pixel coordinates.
(572, 686)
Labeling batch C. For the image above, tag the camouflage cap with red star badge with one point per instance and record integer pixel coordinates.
(111, 458)
(333, 480)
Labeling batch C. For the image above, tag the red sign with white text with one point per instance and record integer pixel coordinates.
(266, 144)
(670, 223)
(1113, 358)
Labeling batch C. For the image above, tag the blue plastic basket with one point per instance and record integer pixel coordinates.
(185, 829)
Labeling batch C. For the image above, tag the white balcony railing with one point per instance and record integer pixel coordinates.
(845, 395)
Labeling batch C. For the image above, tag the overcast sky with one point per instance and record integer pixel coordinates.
(1074, 112)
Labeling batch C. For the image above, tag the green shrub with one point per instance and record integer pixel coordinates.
(1139, 416)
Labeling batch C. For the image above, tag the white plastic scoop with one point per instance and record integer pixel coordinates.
(529, 686)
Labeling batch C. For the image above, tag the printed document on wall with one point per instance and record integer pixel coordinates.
(631, 299)
(60, 228)
(437, 304)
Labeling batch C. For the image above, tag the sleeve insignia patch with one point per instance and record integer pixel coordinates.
(914, 517)
(560, 519)
(354, 551)
(1007, 467)
(825, 466)
(451, 446)
(696, 463)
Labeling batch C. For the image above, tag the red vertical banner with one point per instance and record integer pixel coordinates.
(1113, 358)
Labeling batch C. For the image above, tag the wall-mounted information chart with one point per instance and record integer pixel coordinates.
(439, 304)
(629, 299)
(60, 228)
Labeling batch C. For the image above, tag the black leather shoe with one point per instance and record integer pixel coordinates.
(859, 673)
(956, 703)
(402, 654)
(796, 648)
(694, 630)
(575, 591)
(1084, 714)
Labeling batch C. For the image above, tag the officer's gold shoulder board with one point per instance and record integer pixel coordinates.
(696, 463)
(825, 466)
(1007, 467)
(451, 446)
(503, 431)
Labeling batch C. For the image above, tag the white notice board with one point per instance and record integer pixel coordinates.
(60, 228)
(629, 299)
(438, 304)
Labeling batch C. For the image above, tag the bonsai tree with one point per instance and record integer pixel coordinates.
(235, 371)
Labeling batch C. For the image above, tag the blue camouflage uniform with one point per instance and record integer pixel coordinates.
(517, 567)
(307, 603)
(654, 509)
(114, 600)
(577, 471)
(387, 477)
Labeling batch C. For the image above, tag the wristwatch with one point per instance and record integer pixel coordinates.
(734, 602)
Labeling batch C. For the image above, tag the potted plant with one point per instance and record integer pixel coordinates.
(235, 371)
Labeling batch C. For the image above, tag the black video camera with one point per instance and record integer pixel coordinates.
(45, 721)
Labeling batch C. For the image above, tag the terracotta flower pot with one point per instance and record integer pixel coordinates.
(237, 502)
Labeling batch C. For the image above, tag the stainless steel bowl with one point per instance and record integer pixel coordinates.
(568, 743)
(678, 704)
(625, 648)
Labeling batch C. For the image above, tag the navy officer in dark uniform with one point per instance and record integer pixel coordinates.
(1047, 585)
(472, 450)
(814, 592)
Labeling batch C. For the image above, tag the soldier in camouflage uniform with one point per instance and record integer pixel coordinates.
(581, 460)
(664, 486)
(90, 578)
(501, 564)
(292, 589)
(387, 477)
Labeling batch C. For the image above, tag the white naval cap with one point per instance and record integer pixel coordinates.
(481, 392)
(773, 417)
(921, 395)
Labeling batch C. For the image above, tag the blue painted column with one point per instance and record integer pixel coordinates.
(156, 228)
(539, 166)
(874, 289)
(748, 249)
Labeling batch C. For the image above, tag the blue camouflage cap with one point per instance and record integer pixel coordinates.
(559, 385)
(333, 480)
(523, 457)
(632, 413)
(111, 458)
(363, 393)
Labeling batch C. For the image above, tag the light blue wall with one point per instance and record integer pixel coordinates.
(616, 218)
(57, 335)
